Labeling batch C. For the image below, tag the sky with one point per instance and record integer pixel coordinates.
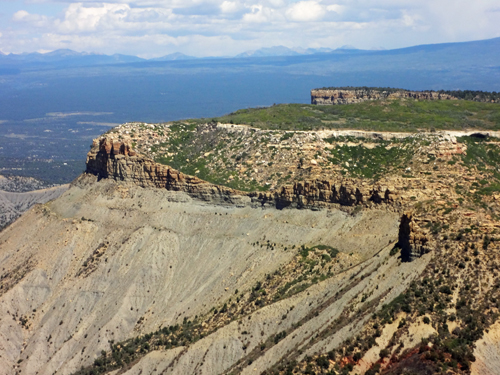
(153, 28)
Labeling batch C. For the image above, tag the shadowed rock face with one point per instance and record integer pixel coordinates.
(116, 160)
(329, 97)
(413, 240)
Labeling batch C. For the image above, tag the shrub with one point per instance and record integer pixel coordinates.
(280, 336)
(446, 290)
(486, 242)
(374, 370)
(384, 353)
(323, 362)
(395, 250)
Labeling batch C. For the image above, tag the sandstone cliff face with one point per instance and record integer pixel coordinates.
(117, 161)
(413, 240)
(332, 97)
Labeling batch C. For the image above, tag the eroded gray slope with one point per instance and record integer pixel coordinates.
(104, 255)
(13, 204)
(310, 323)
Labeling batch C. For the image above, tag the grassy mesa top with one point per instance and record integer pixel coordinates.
(392, 115)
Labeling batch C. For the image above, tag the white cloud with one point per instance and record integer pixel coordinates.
(35, 20)
(408, 19)
(230, 7)
(259, 14)
(305, 11)
(20, 15)
(82, 18)
(337, 8)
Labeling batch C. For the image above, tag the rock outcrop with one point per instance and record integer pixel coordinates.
(317, 192)
(341, 96)
(116, 160)
(413, 240)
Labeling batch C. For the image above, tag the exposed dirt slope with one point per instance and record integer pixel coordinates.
(85, 268)
(487, 353)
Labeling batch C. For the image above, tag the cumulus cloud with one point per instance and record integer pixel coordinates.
(81, 18)
(230, 7)
(258, 14)
(305, 11)
(210, 27)
(337, 8)
(20, 15)
(23, 16)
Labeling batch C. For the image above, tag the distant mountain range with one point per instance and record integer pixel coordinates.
(284, 51)
(64, 58)
(173, 57)
(68, 58)
(83, 58)
(466, 65)
(89, 58)
(96, 57)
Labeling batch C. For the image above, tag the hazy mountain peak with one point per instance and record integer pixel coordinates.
(65, 52)
(347, 46)
(269, 51)
(173, 57)
(283, 51)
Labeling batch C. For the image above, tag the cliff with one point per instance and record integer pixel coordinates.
(345, 96)
(116, 160)
(413, 240)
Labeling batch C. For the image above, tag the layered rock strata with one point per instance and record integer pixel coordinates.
(334, 96)
(116, 160)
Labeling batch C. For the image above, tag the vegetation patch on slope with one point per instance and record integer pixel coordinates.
(449, 297)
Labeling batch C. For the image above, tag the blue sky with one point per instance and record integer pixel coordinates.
(152, 28)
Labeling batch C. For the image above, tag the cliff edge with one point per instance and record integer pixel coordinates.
(350, 96)
(109, 158)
